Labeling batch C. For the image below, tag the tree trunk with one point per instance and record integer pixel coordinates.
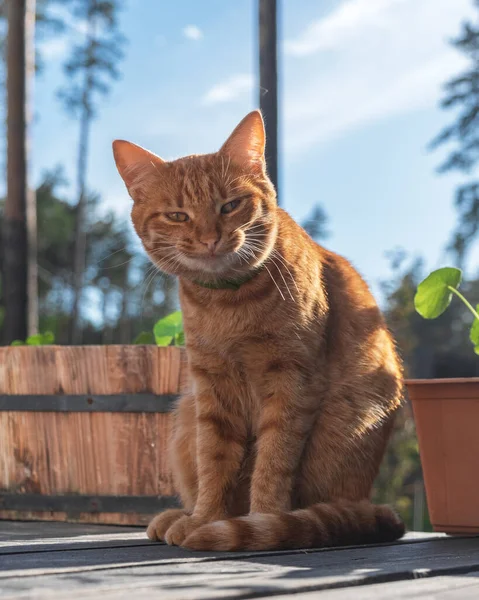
(170, 302)
(15, 241)
(80, 233)
(125, 319)
(268, 83)
(32, 271)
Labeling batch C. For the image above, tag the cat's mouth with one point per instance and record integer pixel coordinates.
(218, 264)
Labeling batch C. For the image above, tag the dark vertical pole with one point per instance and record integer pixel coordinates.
(15, 250)
(268, 83)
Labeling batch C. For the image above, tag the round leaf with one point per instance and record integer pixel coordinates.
(167, 328)
(163, 340)
(433, 295)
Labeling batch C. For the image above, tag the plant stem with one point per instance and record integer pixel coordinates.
(459, 295)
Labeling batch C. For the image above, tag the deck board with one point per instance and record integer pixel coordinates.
(43, 560)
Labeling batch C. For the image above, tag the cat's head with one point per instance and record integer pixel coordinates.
(211, 215)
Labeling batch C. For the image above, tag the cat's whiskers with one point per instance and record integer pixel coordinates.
(257, 244)
(282, 277)
(162, 247)
(258, 238)
(274, 281)
(111, 254)
(171, 260)
(147, 282)
(254, 243)
(278, 256)
(256, 229)
(245, 225)
(120, 265)
(246, 252)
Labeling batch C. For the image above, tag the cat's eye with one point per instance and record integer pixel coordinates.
(229, 207)
(179, 217)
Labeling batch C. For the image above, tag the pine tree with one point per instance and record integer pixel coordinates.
(462, 94)
(91, 67)
(316, 224)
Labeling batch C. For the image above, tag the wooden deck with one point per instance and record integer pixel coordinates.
(61, 560)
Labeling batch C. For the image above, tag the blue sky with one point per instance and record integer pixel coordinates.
(360, 86)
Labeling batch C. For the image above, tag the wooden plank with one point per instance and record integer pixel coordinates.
(41, 532)
(112, 369)
(240, 578)
(21, 536)
(179, 574)
(55, 453)
(457, 587)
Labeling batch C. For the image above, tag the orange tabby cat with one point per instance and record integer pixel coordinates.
(294, 377)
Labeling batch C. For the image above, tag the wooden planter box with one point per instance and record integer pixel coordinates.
(446, 412)
(84, 431)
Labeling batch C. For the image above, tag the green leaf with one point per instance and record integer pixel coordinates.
(180, 339)
(164, 340)
(145, 337)
(41, 339)
(474, 333)
(433, 295)
(167, 328)
(48, 338)
(17, 343)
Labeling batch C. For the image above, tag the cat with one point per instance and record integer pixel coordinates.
(294, 379)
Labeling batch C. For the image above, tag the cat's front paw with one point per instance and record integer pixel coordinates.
(181, 529)
(160, 524)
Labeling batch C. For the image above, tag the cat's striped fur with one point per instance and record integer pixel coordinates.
(294, 378)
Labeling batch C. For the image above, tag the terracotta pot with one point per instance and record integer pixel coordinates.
(446, 412)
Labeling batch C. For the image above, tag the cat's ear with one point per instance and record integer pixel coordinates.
(247, 142)
(134, 163)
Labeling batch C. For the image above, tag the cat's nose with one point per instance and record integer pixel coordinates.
(210, 243)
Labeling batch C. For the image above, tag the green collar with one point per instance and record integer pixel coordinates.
(229, 284)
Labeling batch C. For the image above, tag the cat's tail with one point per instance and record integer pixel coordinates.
(340, 523)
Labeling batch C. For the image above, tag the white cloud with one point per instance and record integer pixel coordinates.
(368, 60)
(347, 22)
(193, 32)
(229, 90)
